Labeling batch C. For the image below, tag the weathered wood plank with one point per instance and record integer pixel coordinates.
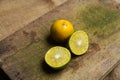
(23, 52)
(15, 14)
(114, 74)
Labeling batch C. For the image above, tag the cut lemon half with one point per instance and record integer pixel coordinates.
(57, 57)
(78, 42)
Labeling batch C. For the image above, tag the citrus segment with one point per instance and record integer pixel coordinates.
(78, 42)
(57, 57)
(61, 30)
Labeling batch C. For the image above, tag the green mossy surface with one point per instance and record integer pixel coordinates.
(99, 19)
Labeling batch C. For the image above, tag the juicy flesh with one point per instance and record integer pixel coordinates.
(57, 57)
(79, 42)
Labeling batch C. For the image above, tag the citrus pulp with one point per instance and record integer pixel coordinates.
(78, 42)
(57, 57)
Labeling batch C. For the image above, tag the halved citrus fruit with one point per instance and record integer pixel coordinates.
(78, 42)
(57, 57)
(61, 30)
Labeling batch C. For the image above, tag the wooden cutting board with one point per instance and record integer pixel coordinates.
(22, 53)
(15, 14)
(115, 73)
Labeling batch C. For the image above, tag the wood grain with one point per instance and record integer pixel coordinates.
(22, 54)
(115, 74)
(15, 14)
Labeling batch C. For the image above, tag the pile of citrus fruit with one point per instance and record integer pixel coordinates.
(59, 56)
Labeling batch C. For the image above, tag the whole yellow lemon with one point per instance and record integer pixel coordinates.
(61, 30)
